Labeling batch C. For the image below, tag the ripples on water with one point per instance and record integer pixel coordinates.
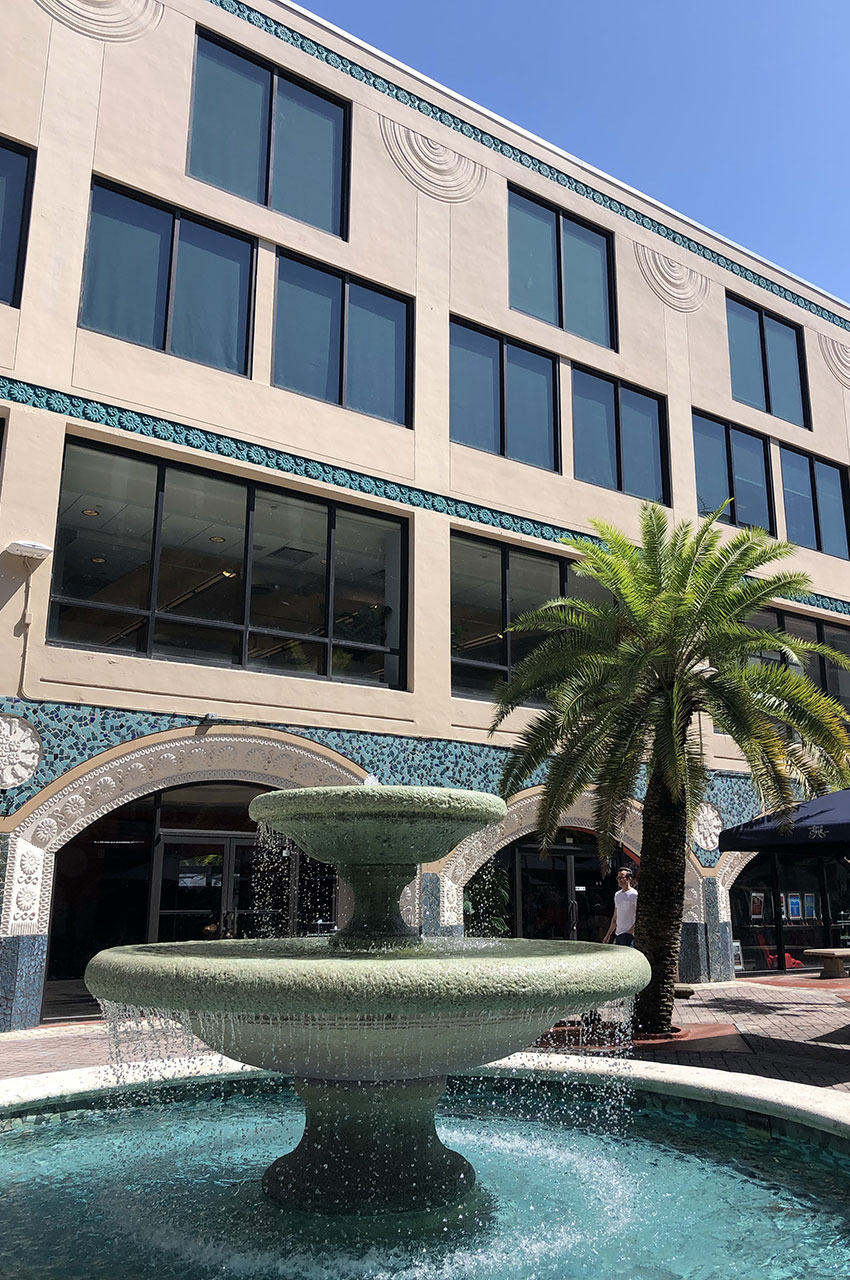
(172, 1190)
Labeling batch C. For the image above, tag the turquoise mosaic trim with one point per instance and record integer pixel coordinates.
(282, 462)
(73, 734)
(520, 157)
(277, 460)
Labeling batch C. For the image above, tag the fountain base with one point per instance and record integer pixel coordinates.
(370, 1148)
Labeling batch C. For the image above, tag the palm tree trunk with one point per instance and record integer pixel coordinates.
(661, 900)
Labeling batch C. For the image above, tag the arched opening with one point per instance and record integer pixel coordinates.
(175, 865)
(566, 894)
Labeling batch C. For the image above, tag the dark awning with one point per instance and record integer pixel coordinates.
(817, 824)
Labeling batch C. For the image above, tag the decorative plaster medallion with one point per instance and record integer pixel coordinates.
(837, 358)
(20, 751)
(112, 21)
(431, 166)
(269, 761)
(672, 281)
(708, 824)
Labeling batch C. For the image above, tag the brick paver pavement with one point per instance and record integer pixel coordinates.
(786, 1029)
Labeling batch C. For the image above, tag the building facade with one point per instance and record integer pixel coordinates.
(306, 363)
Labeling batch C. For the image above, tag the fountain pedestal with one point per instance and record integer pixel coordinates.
(371, 1021)
(368, 1148)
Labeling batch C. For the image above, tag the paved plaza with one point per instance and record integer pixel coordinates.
(795, 1028)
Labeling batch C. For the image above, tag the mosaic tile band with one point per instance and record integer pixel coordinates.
(73, 734)
(520, 157)
(283, 462)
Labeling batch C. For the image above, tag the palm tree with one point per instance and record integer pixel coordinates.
(622, 682)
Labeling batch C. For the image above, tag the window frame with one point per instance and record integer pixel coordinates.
(505, 549)
(663, 432)
(277, 72)
(347, 279)
(801, 361)
(782, 615)
(732, 509)
(841, 468)
(29, 154)
(151, 615)
(504, 342)
(177, 215)
(577, 220)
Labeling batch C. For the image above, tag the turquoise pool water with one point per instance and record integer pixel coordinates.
(171, 1190)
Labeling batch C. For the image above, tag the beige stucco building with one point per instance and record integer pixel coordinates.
(283, 317)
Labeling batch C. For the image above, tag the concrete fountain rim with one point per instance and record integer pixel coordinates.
(425, 804)
(824, 1112)
(302, 978)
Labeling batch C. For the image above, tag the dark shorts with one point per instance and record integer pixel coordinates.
(624, 940)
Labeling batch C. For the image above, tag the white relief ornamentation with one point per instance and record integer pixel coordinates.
(20, 751)
(837, 358)
(272, 762)
(431, 166)
(707, 826)
(410, 902)
(679, 286)
(112, 21)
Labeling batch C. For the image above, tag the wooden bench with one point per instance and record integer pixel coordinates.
(833, 960)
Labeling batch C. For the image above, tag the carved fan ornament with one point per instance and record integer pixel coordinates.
(431, 166)
(674, 283)
(112, 21)
(837, 357)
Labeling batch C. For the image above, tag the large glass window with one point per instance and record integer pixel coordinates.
(266, 137)
(341, 340)
(561, 269)
(16, 166)
(503, 397)
(619, 438)
(491, 585)
(815, 503)
(169, 562)
(165, 280)
(766, 362)
(826, 675)
(735, 464)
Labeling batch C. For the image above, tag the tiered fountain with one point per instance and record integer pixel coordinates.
(370, 1021)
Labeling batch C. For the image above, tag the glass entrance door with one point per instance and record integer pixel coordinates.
(206, 889)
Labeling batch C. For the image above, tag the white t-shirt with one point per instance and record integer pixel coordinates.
(625, 905)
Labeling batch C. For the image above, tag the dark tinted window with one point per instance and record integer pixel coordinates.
(815, 503)
(340, 340)
(732, 464)
(491, 586)
(765, 358)
(230, 121)
(15, 169)
(307, 169)
(324, 595)
(502, 397)
(212, 288)
(261, 135)
(560, 269)
(617, 437)
(193, 302)
(127, 265)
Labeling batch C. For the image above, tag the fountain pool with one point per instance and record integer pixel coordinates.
(599, 1185)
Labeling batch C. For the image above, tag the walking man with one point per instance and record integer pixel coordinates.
(622, 926)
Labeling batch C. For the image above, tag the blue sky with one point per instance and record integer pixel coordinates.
(733, 112)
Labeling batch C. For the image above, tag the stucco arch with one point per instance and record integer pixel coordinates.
(265, 756)
(521, 820)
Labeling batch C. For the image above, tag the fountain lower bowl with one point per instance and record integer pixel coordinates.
(293, 1005)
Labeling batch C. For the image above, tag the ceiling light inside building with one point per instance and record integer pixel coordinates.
(216, 537)
(90, 511)
(98, 559)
